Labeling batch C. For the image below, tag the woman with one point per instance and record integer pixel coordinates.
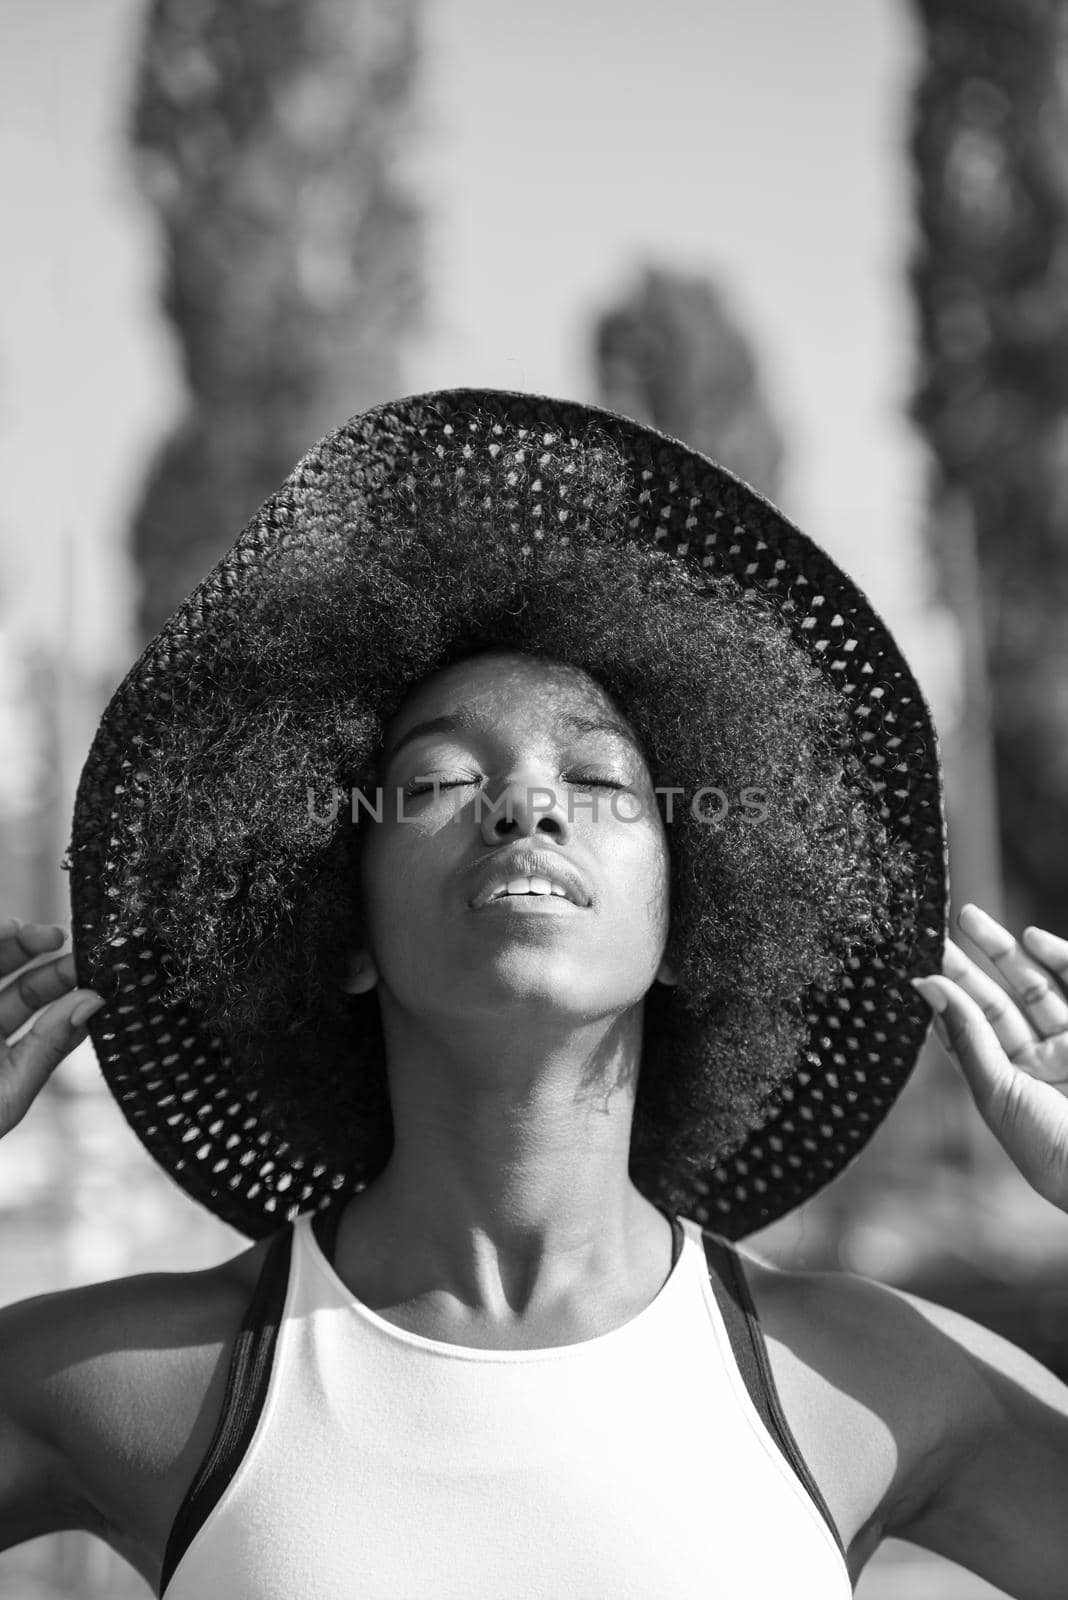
(496, 906)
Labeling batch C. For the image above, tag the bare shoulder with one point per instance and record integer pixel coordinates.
(898, 1404)
(109, 1395)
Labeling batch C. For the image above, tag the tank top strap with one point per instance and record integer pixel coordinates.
(735, 1301)
(247, 1378)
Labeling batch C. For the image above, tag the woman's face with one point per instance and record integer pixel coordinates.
(491, 759)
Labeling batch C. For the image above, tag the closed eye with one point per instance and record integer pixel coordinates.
(595, 783)
(582, 781)
(418, 787)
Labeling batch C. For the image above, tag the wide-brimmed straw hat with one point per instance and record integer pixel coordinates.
(174, 1079)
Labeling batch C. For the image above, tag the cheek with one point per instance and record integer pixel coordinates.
(392, 880)
(660, 892)
(641, 879)
(381, 881)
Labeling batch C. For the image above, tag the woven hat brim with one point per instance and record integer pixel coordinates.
(174, 1081)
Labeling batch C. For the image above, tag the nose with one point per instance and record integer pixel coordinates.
(522, 807)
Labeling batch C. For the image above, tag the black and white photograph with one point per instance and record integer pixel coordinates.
(533, 795)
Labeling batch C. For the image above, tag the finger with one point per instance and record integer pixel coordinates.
(1036, 989)
(969, 1038)
(26, 1066)
(1030, 981)
(33, 988)
(1013, 1032)
(1025, 1116)
(22, 941)
(1046, 1059)
(1050, 949)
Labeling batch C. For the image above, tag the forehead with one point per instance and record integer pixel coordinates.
(495, 688)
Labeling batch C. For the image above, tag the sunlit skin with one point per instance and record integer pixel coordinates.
(506, 1218)
(1010, 1040)
(512, 1031)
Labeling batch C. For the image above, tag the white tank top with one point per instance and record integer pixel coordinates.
(354, 1460)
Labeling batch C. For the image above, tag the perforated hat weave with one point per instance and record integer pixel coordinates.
(174, 1080)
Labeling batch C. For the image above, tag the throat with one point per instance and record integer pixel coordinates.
(409, 1302)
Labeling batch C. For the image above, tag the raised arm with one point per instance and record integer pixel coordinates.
(39, 1492)
(1001, 1506)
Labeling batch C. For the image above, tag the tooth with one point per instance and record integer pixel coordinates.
(530, 885)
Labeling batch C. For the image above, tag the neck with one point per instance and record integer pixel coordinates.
(509, 1178)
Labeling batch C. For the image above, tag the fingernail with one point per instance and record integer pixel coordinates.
(935, 998)
(87, 1009)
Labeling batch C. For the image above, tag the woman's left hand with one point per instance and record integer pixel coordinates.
(1011, 1043)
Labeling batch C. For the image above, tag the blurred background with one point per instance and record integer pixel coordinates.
(827, 244)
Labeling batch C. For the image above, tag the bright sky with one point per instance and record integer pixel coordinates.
(759, 140)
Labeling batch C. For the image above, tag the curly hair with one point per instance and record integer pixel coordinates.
(253, 891)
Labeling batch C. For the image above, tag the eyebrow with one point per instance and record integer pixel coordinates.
(571, 721)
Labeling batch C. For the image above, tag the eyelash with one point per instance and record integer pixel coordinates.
(413, 789)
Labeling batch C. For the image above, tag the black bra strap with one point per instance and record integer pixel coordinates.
(736, 1306)
(246, 1389)
(677, 1235)
(324, 1226)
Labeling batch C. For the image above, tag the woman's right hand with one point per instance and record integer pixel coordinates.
(26, 1066)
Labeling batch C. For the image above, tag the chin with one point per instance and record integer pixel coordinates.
(513, 979)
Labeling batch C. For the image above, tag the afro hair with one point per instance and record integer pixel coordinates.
(252, 888)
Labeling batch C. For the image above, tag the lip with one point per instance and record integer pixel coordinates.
(527, 905)
(496, 871)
